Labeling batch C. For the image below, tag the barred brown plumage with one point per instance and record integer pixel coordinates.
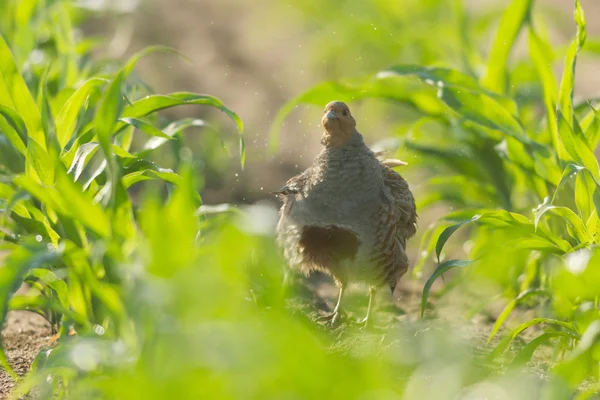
(348, 214)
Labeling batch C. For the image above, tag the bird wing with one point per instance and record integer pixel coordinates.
(294, 185)
(396, 222)
(405, 208)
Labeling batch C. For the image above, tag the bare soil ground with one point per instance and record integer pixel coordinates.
(24, 335)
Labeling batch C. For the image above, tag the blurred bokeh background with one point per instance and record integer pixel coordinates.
(256, 55)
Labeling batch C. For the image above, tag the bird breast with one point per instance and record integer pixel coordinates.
(344, 187)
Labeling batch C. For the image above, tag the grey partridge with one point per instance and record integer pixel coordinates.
(348, 214)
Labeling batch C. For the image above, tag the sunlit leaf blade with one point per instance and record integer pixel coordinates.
(48, 124)
(540, 55)
(154, 103)
(173, 130)
(145, 127)
(17, 123)
(40, 164)
(52, 281)
(66, 120)
(113, 100)
(585, 189)
(15, 94)
(79, 161)
(513, 18)
(569, 171)
(79, 206)
(504, 343)
(577, 147)
(580, 231)
(439, 271)
(526, 353)
(447, 78)
(427, 246)
(510, 307)
(175, 229)
(148, 174)
(483, 110)
(592, 131)
(575, 368)
(445, 235)
(565, 97)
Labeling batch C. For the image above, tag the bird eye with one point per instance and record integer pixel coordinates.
(345, 113)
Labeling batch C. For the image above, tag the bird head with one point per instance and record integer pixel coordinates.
(338, 123)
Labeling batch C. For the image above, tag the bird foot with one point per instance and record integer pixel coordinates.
(365, 322)
(330, 318)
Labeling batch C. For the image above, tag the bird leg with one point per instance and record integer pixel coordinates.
(333, 316)
(365, 320)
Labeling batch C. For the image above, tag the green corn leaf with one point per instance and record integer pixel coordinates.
(172, 130)
(109, 111)
(36, 227)
(120, 152)
(569, 171)
(15, 94)
(110, 297)
(172, 227)
(526, 353)
(48, 124)
(40, 303)
(426, 247)
(483, 110)
(511, 306)
(66, 120)
(81, 206)
(540, 51)
(442, 78)
(53, 282)
(40, 164)
(585, 189)
(138, 176)
(541, 244)
(577, 366)
(580, 231)
(504, 343)
(592, 131)
(19, 139)
(66, 43)
(145, 127)
(439, 271)
(144, 170)
(565, 96)
(445, 235)
(447, 78)
(154, 103)
(513, 18)
(577, 147)
(83, 154)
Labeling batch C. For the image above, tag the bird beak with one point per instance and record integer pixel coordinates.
(330, 114)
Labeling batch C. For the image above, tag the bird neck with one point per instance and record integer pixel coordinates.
(334, 139)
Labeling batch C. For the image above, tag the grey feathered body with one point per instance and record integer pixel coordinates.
(349, 194)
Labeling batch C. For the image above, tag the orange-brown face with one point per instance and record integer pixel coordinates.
(337, 118)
